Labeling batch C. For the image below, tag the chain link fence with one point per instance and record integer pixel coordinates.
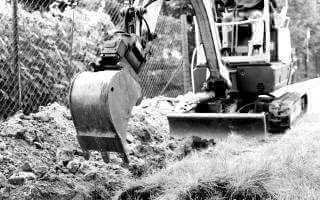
(35, 60)
(162, 74)
(51, 42)
(55, 41)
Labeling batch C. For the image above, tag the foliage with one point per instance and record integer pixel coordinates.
(32, 5)
(45, 59)
(175, 8)
(303, 14)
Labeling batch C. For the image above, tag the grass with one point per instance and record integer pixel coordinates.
(288, 168)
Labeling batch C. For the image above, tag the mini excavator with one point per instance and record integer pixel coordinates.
(242, 56)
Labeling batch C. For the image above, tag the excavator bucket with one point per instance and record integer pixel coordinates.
(218, 126)
(101, 104)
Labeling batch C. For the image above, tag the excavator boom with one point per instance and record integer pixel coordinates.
(101, 101)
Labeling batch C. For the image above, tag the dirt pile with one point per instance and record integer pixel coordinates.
(40, 157)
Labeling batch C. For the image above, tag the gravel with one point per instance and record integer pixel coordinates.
(41, 158)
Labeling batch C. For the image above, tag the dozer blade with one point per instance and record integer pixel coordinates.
(101, 104)
(218, 125)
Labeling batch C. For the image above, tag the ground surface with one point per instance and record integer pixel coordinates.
(41, 159)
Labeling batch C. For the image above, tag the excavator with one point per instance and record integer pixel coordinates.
(241, 57)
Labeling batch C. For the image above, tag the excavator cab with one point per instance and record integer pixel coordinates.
(256, 36)
(244, 53)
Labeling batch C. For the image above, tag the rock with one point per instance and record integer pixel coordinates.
(27, 135)
(85, 167)
(1, 158)
(74, 166)
(42, 118)
(130, 138)
(199, 143)
(172, 146)
(26, 167)
(3, 146)
(21, 177)
(30, 136)
(40, 171)
(26, 117)
(38, 145)
(114, 158)
(67, 115)
(20, 134)
(3, 180)
(165, 106)
(137, 168)
(143, 132)
(132, 150)
(92, 175)
(64, 156)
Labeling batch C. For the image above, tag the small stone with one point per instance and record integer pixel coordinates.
(27, 135)
(92, 175)
(144, 133)
(26, 167)
(198, 143)
(172, 146)
(3, 146)
(137, 168)
(64, 156)
(42, 118)
(40, 171)
(85, 167)
(20, 134)
(38, 145)
(115, 158)
(132, 150)
(73, 166)
(1, 158)
(21, 177)
(165, 106)
(28, 175)
(26, 117)
(130, 138)
(67, 115)
(30, 136)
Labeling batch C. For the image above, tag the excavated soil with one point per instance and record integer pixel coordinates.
(40, 157)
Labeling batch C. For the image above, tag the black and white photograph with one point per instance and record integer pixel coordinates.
(159, 99)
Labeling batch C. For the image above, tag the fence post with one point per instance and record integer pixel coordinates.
(306, 62)
(317, 63)
(185, 55)
(15, 49)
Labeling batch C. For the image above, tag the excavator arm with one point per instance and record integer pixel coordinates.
(101, 100)
(204, 11)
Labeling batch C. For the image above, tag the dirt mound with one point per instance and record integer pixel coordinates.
(40, 157)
